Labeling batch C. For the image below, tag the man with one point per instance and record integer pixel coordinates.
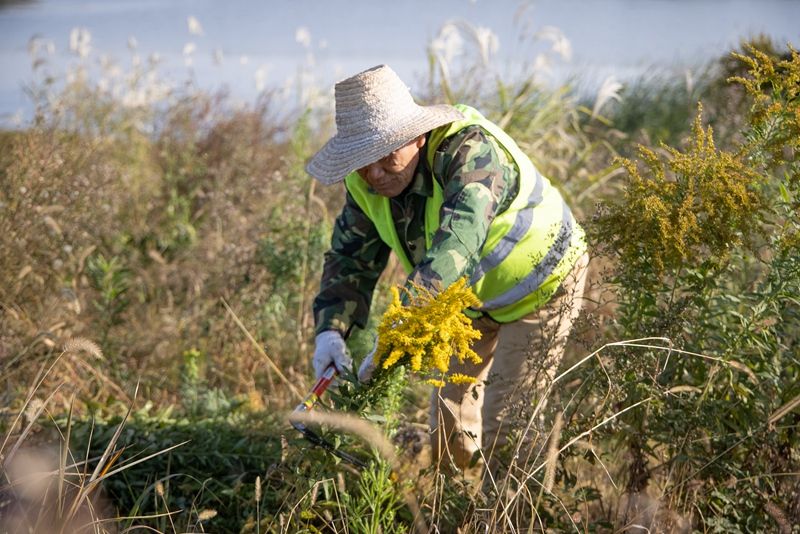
(451, 195)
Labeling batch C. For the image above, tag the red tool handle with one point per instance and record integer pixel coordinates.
(319, 388)
(308, 404)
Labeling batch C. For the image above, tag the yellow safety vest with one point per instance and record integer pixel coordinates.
(530, 248)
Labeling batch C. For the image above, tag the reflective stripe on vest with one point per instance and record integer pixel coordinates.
(520, 227)
(529, 248)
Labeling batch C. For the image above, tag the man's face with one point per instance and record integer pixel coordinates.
(390, 175)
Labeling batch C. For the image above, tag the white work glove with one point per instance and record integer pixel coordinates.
(330, 349)
(368, 366)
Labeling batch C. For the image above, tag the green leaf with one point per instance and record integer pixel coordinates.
(785, 193)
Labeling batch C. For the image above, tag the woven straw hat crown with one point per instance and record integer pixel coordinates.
(375, 115)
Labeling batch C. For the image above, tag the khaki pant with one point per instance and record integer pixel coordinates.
(520, 359)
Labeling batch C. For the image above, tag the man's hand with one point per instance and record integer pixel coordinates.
(330, 349)
(368, 366)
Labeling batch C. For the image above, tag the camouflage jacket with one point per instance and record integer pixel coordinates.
(478, 180)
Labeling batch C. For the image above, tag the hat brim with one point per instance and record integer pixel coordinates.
(339, 156)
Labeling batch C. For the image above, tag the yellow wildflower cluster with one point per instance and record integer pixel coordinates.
(774, 86)
(682, 206)
(428, 331)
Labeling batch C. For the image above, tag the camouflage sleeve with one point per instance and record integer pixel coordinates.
(352, 267)
(480, 180)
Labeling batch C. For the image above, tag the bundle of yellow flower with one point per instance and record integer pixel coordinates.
(428, 331)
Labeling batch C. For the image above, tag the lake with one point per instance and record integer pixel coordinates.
(252, 45)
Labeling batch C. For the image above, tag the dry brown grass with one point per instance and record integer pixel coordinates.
(185, 214)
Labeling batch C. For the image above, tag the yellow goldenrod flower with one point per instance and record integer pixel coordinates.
(459, 378)
(429, 331)
(680, 204)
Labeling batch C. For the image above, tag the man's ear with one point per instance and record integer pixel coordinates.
(421, 141)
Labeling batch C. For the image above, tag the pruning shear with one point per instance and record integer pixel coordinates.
(308, 404)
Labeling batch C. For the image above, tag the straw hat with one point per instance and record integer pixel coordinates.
(375, 115)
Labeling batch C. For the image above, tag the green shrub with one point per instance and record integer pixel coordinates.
(706, 256)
